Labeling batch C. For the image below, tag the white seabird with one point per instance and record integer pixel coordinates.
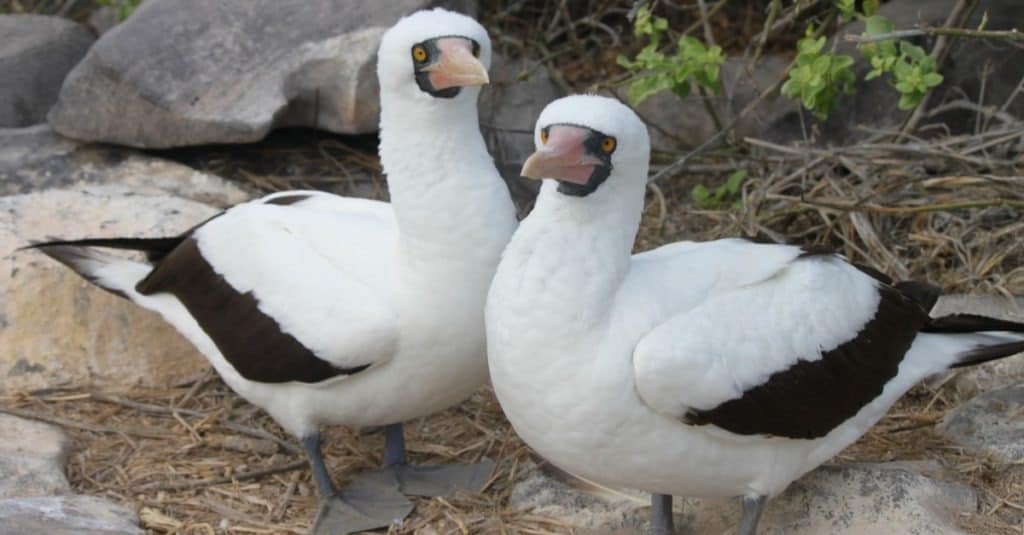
(324, 309)
(717, 369)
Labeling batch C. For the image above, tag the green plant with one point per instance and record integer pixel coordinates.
(817, 78)
(717, 199)
(123, 8)
(655, 71)
(912, 69)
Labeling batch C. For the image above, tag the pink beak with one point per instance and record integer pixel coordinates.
(563, 157)
(457, 67)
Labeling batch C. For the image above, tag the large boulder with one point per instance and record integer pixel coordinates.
(977, 71)
(36, 53)
(189, 72)
(56, 328)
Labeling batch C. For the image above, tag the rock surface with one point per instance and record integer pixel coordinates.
(990, 424)
(978, 71)
(508, 110)
(189, 72)
(843, 499)
(36, 158)
(36, 53)
(66, 515)
(685, 122)
(55, 327)
(991, 375)
(32, 456)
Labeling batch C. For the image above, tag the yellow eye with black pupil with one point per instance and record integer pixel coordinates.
(608, 144)
(419, 53)
(543, 136)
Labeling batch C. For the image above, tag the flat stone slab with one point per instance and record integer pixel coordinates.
(66, 515)
(853, 499)
(32, 456)
(990, 424)
(37, 158)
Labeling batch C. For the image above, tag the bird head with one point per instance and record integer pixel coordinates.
(434, 56)
(587, 143)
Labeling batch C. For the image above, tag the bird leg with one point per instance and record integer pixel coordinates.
(752, 507)
(661, 515)
(440, 480)
(364, 504)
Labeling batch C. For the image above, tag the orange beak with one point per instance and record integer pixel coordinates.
(563, 157)
(458, 67)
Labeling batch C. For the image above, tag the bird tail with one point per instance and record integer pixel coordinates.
(981, 338)
(115, 274)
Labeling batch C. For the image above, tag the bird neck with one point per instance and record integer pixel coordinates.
(447, 194)
(571, 255)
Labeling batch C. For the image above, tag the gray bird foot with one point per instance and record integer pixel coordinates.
(440, 480)
(366, 503)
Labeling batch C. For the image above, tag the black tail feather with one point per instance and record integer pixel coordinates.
(155, 248)
(971, 323)
(986, 353)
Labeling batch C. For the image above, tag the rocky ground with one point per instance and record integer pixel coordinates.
(141, 436)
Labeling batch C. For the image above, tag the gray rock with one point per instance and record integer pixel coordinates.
(974, 65)
(990, 376)
(686, 122)
(188, 72)
(589, 509)
(103, 20)
(852, 499)
(844, 499)
(57, 328)
(508, 109)
(35, 159)
(66, 515)
(32, 456)
(990, 424)
(36, 53)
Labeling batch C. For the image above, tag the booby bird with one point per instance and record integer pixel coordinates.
(719, 369)
(324, 309)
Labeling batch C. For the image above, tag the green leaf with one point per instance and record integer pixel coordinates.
(700, 194)
(909, 101)
(877, 25)
(932, 79)
(646, 87)
(732, 184)
(869, 7)
(912, 51)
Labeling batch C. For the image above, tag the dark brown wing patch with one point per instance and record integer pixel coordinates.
(285, 200)
(811, 398)
(249, 339)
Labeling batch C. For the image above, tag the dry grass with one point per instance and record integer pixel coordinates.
(196, 458)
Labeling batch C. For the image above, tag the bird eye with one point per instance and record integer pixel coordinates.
(419, 53)
(608, 145)
(544, 136)
(476, 51)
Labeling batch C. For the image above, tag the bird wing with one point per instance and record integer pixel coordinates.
(289, 288)
(791, 351)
